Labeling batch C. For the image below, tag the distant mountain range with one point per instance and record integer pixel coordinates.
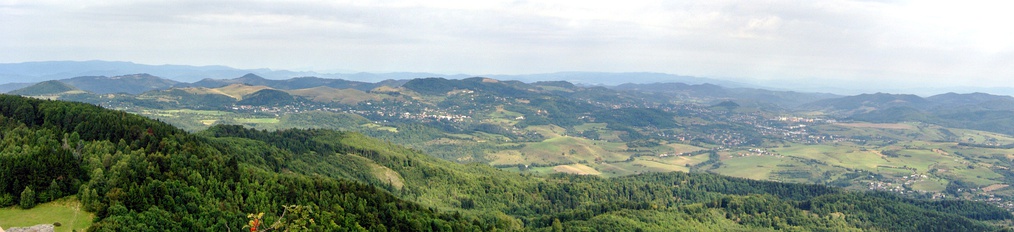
(747, 95)
(294, 83)
(19, 75)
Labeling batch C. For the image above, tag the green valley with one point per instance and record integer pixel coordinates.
(471, 147)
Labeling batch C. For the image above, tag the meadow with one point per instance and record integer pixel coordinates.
(66, 211)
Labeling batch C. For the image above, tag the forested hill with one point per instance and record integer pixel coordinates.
(138, 174)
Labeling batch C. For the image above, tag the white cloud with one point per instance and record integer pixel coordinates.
(941, 41)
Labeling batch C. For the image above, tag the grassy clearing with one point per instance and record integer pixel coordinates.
(843, 155)
(579, 169)
(921, 160)
(344, 96)
(979, 176)
(683, 148)
(751, 167)
(680, 160)
(615, 169)
(66, 211)
(501, 113)
(387, 128)
(507, 157)
(237, 91)
(590, 126)
(930, 185)
(196, 112)
(896, 126)
(884, 133)
(566, 148)
(981, 136)
(258, 120)
(654, 165)
(387, 175)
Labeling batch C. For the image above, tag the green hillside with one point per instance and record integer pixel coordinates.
(45, 88)
(137, 174)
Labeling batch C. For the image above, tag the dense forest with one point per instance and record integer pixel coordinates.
(139, 174)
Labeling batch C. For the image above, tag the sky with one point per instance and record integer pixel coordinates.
(924, 43)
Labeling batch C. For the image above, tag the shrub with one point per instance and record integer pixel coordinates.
(6, 199)
(27, 198)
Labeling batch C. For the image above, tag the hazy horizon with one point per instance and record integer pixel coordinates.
(846, 44)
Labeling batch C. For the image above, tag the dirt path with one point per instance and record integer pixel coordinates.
(77, 210)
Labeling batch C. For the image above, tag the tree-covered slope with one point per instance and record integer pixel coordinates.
(699, 201)
(44, 88)
(142, 175)
(139, 174)
(132, 84)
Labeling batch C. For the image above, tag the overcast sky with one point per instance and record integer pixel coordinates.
(904, 43)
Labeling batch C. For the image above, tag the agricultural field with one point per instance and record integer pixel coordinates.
(753, 167)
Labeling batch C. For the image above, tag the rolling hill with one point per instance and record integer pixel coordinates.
(131, 84)
(978, 111)
(288, 84)
(47, 88)
(141, 174)
(343, 96)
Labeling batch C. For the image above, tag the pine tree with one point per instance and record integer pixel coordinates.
(27, 198)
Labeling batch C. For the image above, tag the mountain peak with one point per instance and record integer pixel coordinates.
(251, 76)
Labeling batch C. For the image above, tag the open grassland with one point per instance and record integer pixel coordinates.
(614, 169)
(655, 165)
(579, 169)
(387, 175)
(920, 160)
(66, 211)
(978, 176)
(751, 167)
(678, 148)
(237, 91)
(898, 131)
(548, 131)
(257, 120)
(590, 126)
(569, 149)
(504, 116)
(379, 127)
(184, 112)
(930, 185)
(344, 96)
(896, 126)
(842, 155)
(507, 157)
(982, 137)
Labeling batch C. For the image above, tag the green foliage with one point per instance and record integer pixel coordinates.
(27, 199)
(268, 97)
(44, 88)
(636, 117)
(143, 175)
(6, 199)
